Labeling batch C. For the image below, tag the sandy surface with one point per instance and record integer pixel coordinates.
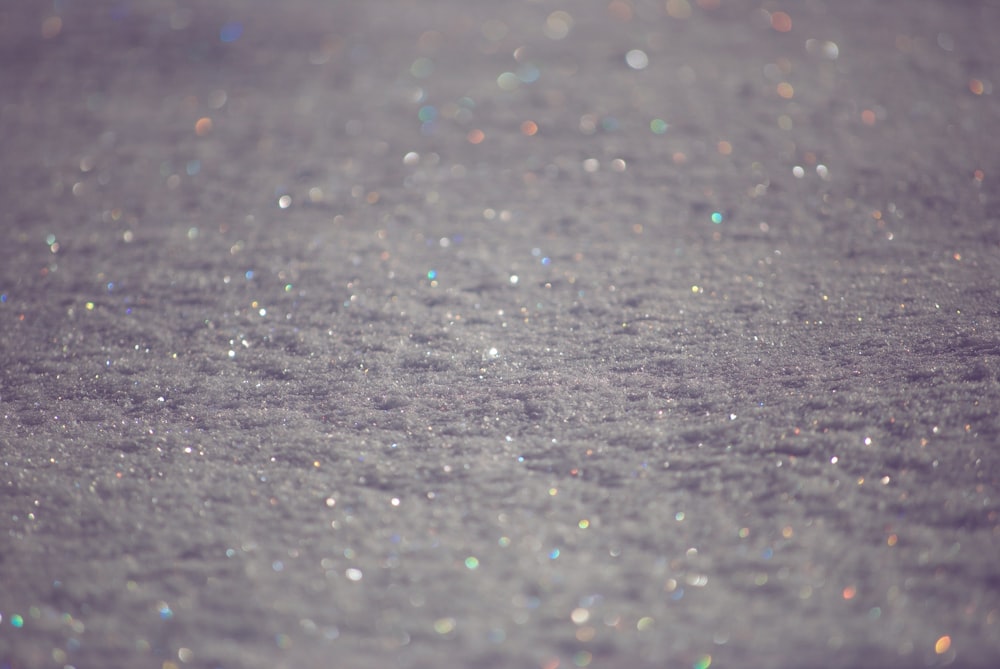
(508, 334)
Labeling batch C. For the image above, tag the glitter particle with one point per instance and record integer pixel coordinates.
(781, 22)
(444, 625)
(231, 31)
(637, 59)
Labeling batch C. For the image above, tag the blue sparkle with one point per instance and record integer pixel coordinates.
(231, 31)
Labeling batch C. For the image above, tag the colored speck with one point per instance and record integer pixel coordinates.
(658, 126)
(528, 73)
(432, 274)
(427, 113)
(3, 297)
(942, 645)
(422, 68)
(165, 612)
(231, 31)
(781, 22)
(703, 662)
(716, 217)
(444, 625)
(508, 81)
(249, 274)
(554, 554)
(18, 622)
(471, 563)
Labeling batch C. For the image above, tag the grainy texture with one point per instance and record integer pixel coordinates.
(509, 334)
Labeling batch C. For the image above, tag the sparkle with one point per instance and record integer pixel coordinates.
(637, 59)
(231, 31)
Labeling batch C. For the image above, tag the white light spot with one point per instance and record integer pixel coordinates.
(637, 59)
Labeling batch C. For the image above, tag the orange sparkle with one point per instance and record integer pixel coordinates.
(51, 27)
(203, 126)
(849, 592)
(529, 128)
(868, 117)
(620, 10)
(978, 175)
(476, 136)
(725, 148)
(942, 645)
(786, 90)
(781, 22)
(976, 86)
(892, 540)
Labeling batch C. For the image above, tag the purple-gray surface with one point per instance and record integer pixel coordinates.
(499, 334)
